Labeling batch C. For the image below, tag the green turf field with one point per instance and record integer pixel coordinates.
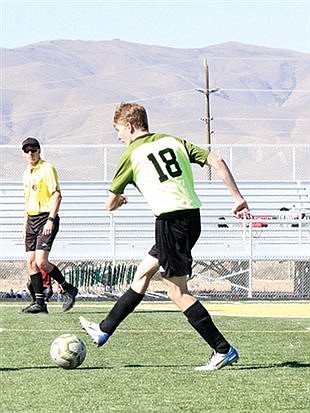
(148, 364)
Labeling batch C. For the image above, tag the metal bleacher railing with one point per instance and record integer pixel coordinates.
(99, 250)
(88, 231)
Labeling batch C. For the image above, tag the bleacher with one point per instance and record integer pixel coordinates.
(88, 231)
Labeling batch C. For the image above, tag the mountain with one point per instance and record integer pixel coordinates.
(65, 91)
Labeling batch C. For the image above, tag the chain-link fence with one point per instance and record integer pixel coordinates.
(213, 280)
(97, 162)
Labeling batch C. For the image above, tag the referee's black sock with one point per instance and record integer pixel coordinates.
(37, 284)
(31, 290)
(201, 320)
(122, 308)
(57, 276)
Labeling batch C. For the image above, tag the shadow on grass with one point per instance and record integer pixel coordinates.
(290, 364)
(96, 311)
(125, 366)
(286, 364)
(52, 367)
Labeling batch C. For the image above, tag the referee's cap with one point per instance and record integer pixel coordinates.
(30, 142)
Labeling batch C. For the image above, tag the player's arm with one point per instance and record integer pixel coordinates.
(115, 201)
(240, 209)
(25, 224)
(55, 204)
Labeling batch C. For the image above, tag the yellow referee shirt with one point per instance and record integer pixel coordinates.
(40, 183)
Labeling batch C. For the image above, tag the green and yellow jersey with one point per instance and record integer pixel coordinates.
(40, 183)
(159, 166)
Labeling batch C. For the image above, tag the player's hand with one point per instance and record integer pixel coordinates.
(241, 209)
(48, 228)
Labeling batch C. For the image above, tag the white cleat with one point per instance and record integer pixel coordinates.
(218, 360)
(98, 336)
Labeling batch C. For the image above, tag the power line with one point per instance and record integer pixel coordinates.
(267, 90)
(218, 132)
(87, 108)
(96, 77)
(217, 118)
(260, 119)
(33, 115)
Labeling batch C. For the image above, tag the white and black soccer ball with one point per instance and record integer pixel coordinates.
(68, 351)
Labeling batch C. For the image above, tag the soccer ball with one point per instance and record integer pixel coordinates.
(68, 351)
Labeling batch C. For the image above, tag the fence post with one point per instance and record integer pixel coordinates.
(113, 239)
(231, 158)
(105, 172)
(294, 163)
(250, 259)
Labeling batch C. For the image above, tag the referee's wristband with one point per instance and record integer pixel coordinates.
(51, 219)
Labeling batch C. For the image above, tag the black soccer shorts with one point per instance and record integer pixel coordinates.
(35, 240)
(176, 233)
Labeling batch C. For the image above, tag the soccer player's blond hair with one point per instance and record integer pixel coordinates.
(132, 113)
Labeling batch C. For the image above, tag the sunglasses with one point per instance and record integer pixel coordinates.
(32, 150)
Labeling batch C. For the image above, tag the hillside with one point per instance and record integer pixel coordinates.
(65, 91)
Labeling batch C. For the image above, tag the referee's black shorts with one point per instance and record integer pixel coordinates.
(176, 234)
(35, 240)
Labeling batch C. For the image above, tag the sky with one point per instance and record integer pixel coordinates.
(181, 24)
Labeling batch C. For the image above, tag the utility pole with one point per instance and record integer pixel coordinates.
(207, 119)
(207, 94)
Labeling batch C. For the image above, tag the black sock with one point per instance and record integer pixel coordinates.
(123, 307)
(31, 290)
(57, 276)
(201, 320)
(37, 285)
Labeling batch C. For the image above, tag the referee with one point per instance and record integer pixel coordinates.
(41, 224)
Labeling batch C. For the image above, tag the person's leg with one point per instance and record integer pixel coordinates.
(36, 283)
(48, 292)
(199, 318)
(35, 277)
(197, 315)
(70, 292)
(132, 297)
(31, 291)
(43, 247)
(125, 304)
(47, 286)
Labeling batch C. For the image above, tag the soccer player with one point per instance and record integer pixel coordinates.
(41, 224)
(159, 165)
